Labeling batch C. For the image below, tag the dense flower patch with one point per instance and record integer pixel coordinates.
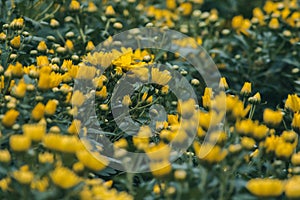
(243, 134)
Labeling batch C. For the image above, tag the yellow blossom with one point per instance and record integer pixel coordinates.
(292, 187)
(23, 176)
(34, 131)
(86, 72)
(74, 5)
(92, 7)
(74, 128)
(50, 107)
(41, 185)
(78, 167)
(47, 81)
(109, 11)
(296, 121)
(272, 117)
(62, 143)
(42, 46)
(42, 61)
(269, 7)
(64, 177)
(246, 89)
(38, 112)
(160, 77)
(206, 98)
(16, 70)
(141, 73)
(121, 143)
(17, 23)
(210, 153)
(19, 142)
(5, 156)
(16, 42)
(296, 159)
(92, 160)
(289, 136)
(223, 83)
(46, 157)
(244, 127)
(265, 187)
(284, 149)
(186, 108)
(20, 89)
(4, 183)
(141, 140)
(10, 118)
(274, 23)
(186, 8)
(248, 143)
(234, 148)
(54, 23)
(161, 168)
(69, 45)
(90, 46)
(180, 174)
(77, 98)
(255, 99)
(158, 152)
(240, 24)
(260, 132)
(171, 4)
(293, 103)
(126, 100)
(102, 93)
(2, 36)
(258, 14)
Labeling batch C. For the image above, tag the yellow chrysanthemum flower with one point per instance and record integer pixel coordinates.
(265, 187)
(64, 177)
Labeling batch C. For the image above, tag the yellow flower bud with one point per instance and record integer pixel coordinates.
(92, 7)
(74, 5)
(2, 36)
(69, 45)
(246, 89)
(126, 100)
(54, 23)
(223, 83)
(180, 174)
(90, 46)
(42, 46)
(274, 23)
(109, 11)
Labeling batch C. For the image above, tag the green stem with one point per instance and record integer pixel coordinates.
(80, 29)
(45, 11)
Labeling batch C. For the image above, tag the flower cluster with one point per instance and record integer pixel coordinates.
(236, 141)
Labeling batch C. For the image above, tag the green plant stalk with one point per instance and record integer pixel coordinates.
(80, 29)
